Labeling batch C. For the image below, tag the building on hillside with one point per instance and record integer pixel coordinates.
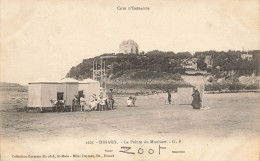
(196, 72)
(173, 61)
(129, 47)
(247, 57)
(209, 61)
(108, 56)
(190, 64)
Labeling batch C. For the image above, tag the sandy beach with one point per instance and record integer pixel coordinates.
(231, 117)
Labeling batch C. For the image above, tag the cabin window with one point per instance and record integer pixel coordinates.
(60, 96)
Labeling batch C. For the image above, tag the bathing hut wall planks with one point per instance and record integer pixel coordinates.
(71, 91)
(185, 95)
(70, 88)
(40, 94)
(201, 91)
(34, 95)
(48, 92)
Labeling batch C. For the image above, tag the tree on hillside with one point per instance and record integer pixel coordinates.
(201, 63)
(183, 55)
(168, 62)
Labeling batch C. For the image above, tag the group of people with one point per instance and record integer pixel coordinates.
(79, 103)
(94, 104)
(100, 103)
(131, 101)
(59, 105)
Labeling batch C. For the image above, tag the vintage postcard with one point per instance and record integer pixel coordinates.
(129, 80)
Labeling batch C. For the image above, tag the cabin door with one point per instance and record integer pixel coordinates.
(81, 94)
(60, 96)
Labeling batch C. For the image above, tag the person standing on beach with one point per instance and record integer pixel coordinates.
(93, 102)
(75, 103)
(129, 102)
(82, 103)
(110, 97)
(196, 101)
(169, 97)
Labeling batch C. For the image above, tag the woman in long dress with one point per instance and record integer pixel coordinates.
(129, 101)
(102, 104)
(93, 102)
(82, 103)
(196, 101)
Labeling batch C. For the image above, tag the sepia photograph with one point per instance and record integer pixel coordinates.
(129, 80)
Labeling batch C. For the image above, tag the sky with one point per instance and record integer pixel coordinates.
(44, 38)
